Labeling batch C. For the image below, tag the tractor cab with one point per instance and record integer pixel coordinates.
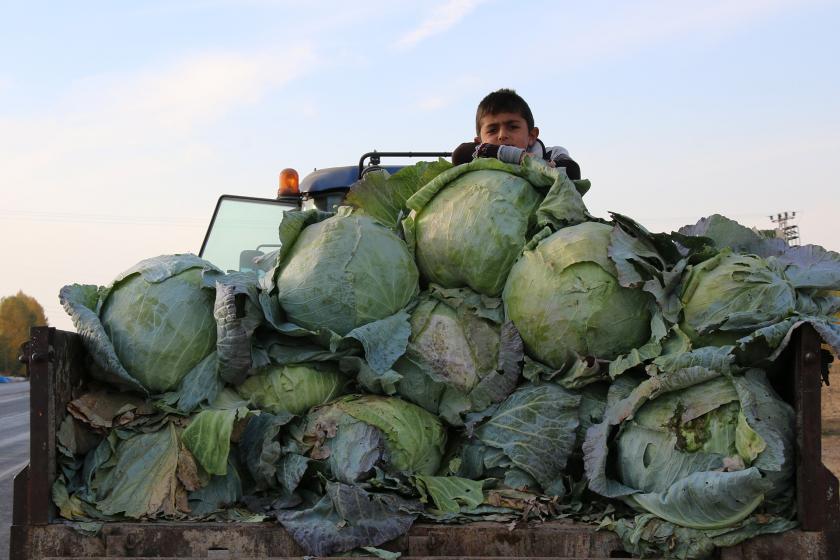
(244, 228)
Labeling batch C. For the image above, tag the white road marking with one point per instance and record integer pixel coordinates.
(14, 398)
(13, 420)
(14, 439)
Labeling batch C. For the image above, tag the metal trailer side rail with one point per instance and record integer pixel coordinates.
(56, 364)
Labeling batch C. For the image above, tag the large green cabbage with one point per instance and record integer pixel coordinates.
(293, 388)
(471, 232)
(342, 273)
(731, 295)
(162, 330)
(566, 301)
(154, 325)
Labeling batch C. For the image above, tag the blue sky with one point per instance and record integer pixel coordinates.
(121, 123)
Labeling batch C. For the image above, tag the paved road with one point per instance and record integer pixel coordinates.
(14, 450)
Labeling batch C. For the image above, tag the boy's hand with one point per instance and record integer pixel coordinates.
(530, 155)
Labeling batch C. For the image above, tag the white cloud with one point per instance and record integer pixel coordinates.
(640, 24)
(98, 132)
(122, 167)
(443, 18)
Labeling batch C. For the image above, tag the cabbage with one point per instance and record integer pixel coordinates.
(359, 432)
(160, 331)
(695, 447)
(460, 358)
(527, 440)
(469, 224)
(293, 388)
(154, 325)
(566, 301)
(343, 272)
(471, 232)
(731, 295)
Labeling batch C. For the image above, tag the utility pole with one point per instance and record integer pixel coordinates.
(785, 228)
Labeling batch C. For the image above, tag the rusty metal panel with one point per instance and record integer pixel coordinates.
(220, 557)
(818, 506)
(42, 461)
(792, 544)
(55, 360)
(554, 539)
(20, 517)
(19, 506)
(487, 539)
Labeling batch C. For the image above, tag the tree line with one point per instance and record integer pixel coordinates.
(18, 314)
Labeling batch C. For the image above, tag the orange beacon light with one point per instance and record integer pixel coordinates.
(289, 183)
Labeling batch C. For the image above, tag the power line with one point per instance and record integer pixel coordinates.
(72, 217)
(785, 228)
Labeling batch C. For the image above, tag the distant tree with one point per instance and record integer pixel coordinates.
(18, 313)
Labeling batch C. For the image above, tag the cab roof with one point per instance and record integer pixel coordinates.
(336, 178)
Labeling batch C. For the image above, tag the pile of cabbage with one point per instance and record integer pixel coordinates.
(454, 344)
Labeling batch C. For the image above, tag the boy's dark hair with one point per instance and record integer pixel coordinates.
(503, 101)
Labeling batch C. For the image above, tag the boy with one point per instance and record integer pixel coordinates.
(505, 130)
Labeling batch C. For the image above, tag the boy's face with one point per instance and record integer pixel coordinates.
(509, 129)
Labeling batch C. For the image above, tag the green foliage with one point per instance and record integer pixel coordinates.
(18, 314)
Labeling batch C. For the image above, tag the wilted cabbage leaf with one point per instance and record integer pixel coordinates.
(449, 493)
(146, 475)
(220, 492)
(370, 430)
(649, 536)
(695, 447)
(347, 517)
(528, 438)
(383, 197)
(460, 357)
(260, 449)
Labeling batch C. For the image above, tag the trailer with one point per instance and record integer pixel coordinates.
(57, 364)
